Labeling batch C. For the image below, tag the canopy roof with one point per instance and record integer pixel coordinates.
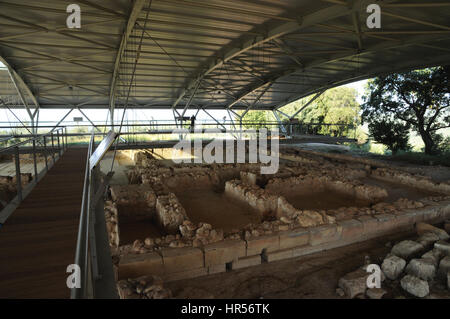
(212, 54)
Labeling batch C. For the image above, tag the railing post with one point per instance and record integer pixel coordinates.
(18, 177)
(59, 145)
(35, 162)
(62, 139)
(45, 153)
(53, 150)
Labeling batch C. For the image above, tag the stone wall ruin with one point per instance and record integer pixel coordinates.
(279, 229)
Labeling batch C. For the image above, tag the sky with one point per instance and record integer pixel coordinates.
(100, 116)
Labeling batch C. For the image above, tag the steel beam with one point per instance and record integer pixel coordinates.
(280, 124)
(257, 99)
(95, 126)
(214, 119)
(138, 5)
(375, 48)
(60, 121)
(17, 79)
(307, 104)
(247, 93)
(286, 49)
(191, 98)
(308, 20)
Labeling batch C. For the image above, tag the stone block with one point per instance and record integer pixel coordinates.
(413, 215)
(405, 220)
(443, 247)
(393, 266)
(177, 259)
(133, 266)
(354, 283)
(224, 252)
(185, 274)
(424, 228)
(370, 225)
(325, 234)
(215, 269)
(294, 238)
(279, 255)
(407, 249)
(246, 262)
(431, 214)
(415, 286)
(351, 229)
(386, 223)
(421, 268)
(433, 255)
(268, 243)
(444, 267)
(428, 239)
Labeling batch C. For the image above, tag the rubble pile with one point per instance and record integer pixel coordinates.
(191, 235)
(146, 287)
(8, 187)
(112, 223)
(420, 268)
(170, 213)
(288, 214)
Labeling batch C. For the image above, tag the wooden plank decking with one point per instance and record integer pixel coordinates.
(38, 240)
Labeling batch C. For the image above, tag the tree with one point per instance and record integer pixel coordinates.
(418, 98)
(393, 134)
(254, 117)
(335, 106)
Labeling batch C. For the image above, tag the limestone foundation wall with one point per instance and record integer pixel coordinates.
(285, 229)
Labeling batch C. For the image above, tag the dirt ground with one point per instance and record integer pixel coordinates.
(308, 277)
(436, 173)
(217, 209)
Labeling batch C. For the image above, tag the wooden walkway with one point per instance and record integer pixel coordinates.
(38, 240)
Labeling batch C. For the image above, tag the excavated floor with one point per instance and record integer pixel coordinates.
(396, 190)
(131, 230)
(216, 208)
(326, 199)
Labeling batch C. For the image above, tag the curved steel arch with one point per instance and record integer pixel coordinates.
(17, 77)
(277, 32)
(377, 48)
(136, 9)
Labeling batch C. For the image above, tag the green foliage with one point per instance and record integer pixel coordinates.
(335, 106)
(444, 145)
(395, 135)
(256, 119)
(418, 98)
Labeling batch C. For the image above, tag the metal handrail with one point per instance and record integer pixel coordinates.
(15, 149)
(35, 138)
(92, 253)
(82, 248)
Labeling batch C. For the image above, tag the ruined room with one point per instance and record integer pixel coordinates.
(180, 149)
